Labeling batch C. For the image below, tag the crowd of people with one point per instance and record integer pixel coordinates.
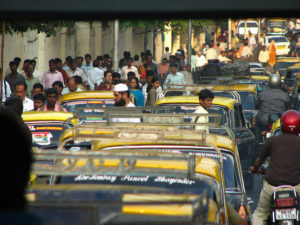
(144, 77)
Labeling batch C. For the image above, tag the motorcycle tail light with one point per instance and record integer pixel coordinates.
(285, 202)
(263, 133)
(242, 212)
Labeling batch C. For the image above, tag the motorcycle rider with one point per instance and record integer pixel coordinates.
(284, 168)
(269, 102)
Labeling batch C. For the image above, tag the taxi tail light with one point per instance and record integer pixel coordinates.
(242, 212)
(270, 126)
(253, 122)
(285, 202)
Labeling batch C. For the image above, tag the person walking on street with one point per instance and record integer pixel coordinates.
(106, 84)
(264, 56)
(58, 64)
(30, 80)
(14, 76)
(135, 90)
(272, 55)
(52, 104)
(95, 75)
(74, 70)
(20, 91)
(51, 75)
(72, 86)
(88, 66)
(174, 77)
(129, 68)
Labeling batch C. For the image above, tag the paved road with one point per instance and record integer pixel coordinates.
(254, 193)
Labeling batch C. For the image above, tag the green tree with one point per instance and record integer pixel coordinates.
(48, 27)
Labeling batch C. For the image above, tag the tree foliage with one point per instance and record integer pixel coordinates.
(48, 27)
(177, 26)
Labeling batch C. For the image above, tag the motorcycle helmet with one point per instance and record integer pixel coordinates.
(290, 122)
(274, 81)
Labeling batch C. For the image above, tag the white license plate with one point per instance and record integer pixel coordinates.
(286, 214)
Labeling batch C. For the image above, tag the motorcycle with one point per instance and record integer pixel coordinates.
(285, 205)
(285, 208)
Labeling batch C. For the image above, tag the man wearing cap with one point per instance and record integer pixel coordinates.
(122, 96)
(263, 56)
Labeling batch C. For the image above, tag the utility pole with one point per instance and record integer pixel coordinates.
(116, 44)
(229, 34)
(258, 32)
(189, 49)
(245, 28)
(2, 67)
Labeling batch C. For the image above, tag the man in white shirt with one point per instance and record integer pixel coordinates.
(263, 55)
(246, 51)
(201, 60)
(205, 100)
(72, 86)
(212, 53)
(73, 70)
(129, 68)
(95, 75)
(20, 91)
(222, 58)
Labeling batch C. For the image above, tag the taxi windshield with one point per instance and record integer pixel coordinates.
(191, 108)
(284, 65)
(88, 106)
(248, 100)
(46, 134)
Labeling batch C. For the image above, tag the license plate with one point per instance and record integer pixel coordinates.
(286, 214)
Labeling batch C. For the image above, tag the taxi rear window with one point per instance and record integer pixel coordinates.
(71, 106)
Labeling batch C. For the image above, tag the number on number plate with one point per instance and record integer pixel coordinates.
(286, 214)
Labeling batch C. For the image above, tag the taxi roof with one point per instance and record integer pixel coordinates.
(237, 87)
(217, 140)
(288, 60)
(87, 95)
(294, 67)
(223, 101)
(46, 116)
(101, 162)
(260, 77)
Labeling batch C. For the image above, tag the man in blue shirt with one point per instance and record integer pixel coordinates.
(174, 77)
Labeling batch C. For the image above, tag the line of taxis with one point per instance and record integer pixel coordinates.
(93, 169)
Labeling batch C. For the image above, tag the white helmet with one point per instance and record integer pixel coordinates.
(275, 81)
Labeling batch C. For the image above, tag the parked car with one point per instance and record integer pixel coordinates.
(281, 42)
(252, 26)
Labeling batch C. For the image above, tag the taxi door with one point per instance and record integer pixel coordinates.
(245, 141)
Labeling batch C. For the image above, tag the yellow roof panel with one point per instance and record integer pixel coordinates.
(288, 60)
(46, 116)
(87, 95)
(182, 100)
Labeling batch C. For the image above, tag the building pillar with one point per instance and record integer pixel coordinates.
(97, 40)
(82, 38)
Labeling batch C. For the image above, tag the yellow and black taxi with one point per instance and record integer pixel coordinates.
(47, 126)
(231, 115)
(247, 95)
(290, 77)
(282, 64)
(129, 186)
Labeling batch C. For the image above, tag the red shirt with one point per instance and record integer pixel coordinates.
(64, 74)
